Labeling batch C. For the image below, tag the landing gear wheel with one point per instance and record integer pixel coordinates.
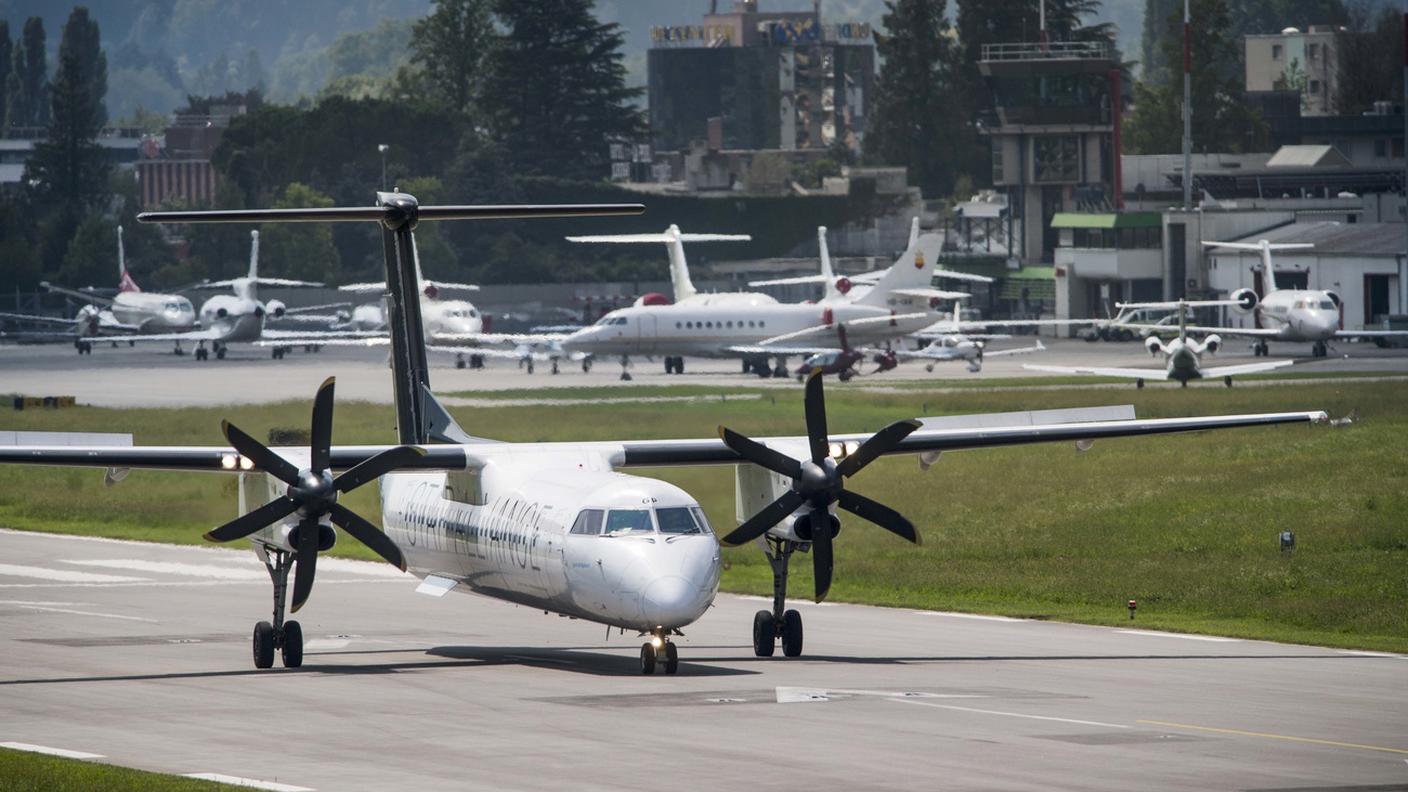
(672, 658)
(669, 365)
(1320, 350)
(1139, 383)
(263, 645)
(779, 372)
(679, 365)
(220, 353)
(554, 366)
(647, 658)
(1227, 381)
(791, 633)
(459, 361)
(292, 649)
(764, 633)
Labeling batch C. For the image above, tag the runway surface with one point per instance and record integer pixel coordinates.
(139, 654)
(147, 376)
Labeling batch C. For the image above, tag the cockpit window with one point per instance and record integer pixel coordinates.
(701, 519)
(1327, 305)
(678, 520)
(628, 521)
(588, 522)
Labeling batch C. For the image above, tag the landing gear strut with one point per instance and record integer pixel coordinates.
(284, 636)
(659, 650)
(625, 364)
(1321, 349)
(768, 626)
(1260, 349)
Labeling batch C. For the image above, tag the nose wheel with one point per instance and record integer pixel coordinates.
(659, 651)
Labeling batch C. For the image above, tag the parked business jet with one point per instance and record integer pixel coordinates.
(1298, 315)
(552, 526)
(1182, 355)
(130, 311)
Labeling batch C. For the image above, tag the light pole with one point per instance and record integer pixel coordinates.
(383, 148)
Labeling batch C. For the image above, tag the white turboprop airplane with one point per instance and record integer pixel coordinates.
(1297, 315)
(554, 526)
(130, 311)
(240, 317)
(1182, 355)
(674, 240)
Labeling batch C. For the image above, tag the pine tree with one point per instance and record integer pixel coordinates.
(556, 95)
(70, 167)
(449, 47)
(26, 87)
(5, 55)
(915, 122)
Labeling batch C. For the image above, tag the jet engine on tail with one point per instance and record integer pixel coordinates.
(1154, 344)
(276, 308)
(1246, 300)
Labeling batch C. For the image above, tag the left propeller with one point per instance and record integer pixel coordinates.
(312, 493)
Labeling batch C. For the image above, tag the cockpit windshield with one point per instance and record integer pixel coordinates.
(681, 520)
(671, 521)
(1327, 305)
(628, 521)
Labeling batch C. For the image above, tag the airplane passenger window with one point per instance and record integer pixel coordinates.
(730, 324)
(708, 324)
(677, 325)
(628, 521)
(750, 322)
(588, 522)
(761, 323)
(677, 521)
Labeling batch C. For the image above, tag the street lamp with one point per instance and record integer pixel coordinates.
(382, 147)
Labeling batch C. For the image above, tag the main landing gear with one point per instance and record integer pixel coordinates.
(659, 650)
(768, 626)
(83, 347)
(625, 364)
(1260, 349)
(1321, 349)
(674, 365)
(287, 637)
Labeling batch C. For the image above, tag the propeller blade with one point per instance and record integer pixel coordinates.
(307, 562)
(879, 443)
(368, 534)
(246, 524)
(816, 417)
(759, 454)
(321, 436)
(771, 515)
(258, 453)
(822, 562)
(377, 466)
(878, 513)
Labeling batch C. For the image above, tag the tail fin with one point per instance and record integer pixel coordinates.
(828, 273)
(253, 255)
(124, 280)
(674, 241)
(913, 270)
(913, 233)
(398, 214)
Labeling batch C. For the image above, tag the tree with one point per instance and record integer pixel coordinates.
(449, 49)
(1222, 121)
(6, 47)
(1370, 54)
(26, 87)
(556, 94)
(914, 123)
(305, 252)
(69, 166)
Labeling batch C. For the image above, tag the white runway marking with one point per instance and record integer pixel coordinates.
(1185, 636)
(324, 644)
(252, 783)
(1009, 714)
(44, 749)
(73, 612)
(50, 603)
(1367, 653)
(213, 571)
(64, 575)
(184, 583)
(978, 616)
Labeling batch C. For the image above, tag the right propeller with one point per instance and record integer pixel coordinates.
(818, 483)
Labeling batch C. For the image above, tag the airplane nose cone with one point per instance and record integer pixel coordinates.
(670, 601)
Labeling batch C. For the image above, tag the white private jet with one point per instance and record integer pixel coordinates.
(1297, 315)
(131, 311)
(240, 317)
(1182, 355)
(553, 526)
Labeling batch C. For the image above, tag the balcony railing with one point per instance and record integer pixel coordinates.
(1053, 50)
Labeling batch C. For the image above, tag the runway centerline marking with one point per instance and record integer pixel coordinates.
(74, 612)
(1009, 714)
(1270, 736)
(44, 749)
(252, 783)
(64, 575)
(1184, 636)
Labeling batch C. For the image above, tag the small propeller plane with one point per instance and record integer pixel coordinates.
(556, 526)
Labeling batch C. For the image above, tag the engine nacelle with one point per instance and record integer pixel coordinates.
(1212, 343)
(802, 526)
(1154, 345)
(1334, 298)
(222, 312)
(1246, 300)
(286, 537)
(276, 308)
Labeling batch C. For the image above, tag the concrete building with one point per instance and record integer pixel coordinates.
(121, 145)
(179, 169)
(1301, 62)
(774, 80)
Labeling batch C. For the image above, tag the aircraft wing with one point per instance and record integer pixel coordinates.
(1027, 323)
(990, 353)
(1249, 332)
(379, 286)
(501, 338)
(932, 294)
(870, 321)
(314, 336)
(789, 281)
(645, 453)
(75, 293)
(450, 286)
(757, 349)
(358, 341)
(213, 459)
(963, 276)
(1244, 368)
(1098, 371)
(304, 310)
(1371, 334)
(32, 318)
(206, 334)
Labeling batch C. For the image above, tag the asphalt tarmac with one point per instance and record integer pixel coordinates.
(139, 655)
(149, 375)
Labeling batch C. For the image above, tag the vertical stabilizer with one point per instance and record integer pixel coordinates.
(913, 270)
(913, 233)
(679, 266)
(1266, 266)
(828, 273)
(409, 370)
(124, 280)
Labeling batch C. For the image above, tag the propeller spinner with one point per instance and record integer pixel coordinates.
(312, 493)
(818, 482)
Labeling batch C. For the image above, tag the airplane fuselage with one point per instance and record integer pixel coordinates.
(154, 313)
(233, 318)
(1182, 360)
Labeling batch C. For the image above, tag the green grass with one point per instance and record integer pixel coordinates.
(21, 771)
(1185, 524)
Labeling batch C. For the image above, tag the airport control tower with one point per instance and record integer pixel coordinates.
(1054, 135)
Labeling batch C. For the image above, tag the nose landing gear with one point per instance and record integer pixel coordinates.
(659, 650)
